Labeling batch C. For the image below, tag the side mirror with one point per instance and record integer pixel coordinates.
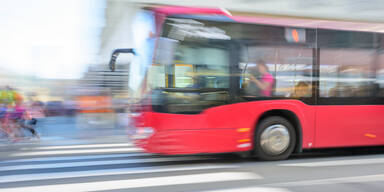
(115, 54)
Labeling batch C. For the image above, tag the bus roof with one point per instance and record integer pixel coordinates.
(245, 17)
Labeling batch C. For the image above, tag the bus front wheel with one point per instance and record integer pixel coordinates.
(275, 139)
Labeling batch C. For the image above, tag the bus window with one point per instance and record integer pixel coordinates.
(156, 76)
(346, 73)
(287, 65)
(380, 75)
(196, 79)
(201, 67)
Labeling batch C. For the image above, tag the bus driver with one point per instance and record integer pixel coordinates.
(261, 80)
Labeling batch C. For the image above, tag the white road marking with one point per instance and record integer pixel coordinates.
(336, 163)
(79, 151)
(354, 179)
(106, 172)
(251, 189)
(73, 158)
(95, 163)
(79, 146)
(136, 183)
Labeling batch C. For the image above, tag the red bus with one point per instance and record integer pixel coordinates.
(217, 82)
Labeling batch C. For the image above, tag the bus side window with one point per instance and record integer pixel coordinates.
(380, 76)
(346, 72)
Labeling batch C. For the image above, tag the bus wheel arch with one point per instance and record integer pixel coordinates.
(292, 121)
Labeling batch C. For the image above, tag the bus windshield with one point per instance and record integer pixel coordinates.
(197, 78)
(193, 66)
(189, 73)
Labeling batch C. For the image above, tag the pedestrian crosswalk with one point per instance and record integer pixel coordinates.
(120, 166)
(139, 183)
(105, 172)
(52, 150)
(108, 167)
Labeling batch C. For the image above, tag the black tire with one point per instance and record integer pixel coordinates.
(265, 123)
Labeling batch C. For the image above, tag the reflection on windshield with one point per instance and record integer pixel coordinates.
(194, 66)
(144, 45)
(187, 101)
(197, 77)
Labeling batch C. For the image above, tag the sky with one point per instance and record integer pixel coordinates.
(49, 38)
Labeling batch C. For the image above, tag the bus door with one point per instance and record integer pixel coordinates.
(348, 113)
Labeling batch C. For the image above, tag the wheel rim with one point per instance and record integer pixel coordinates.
(275, 139)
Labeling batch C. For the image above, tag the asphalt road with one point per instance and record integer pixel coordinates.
(71, 159)
(114, 164)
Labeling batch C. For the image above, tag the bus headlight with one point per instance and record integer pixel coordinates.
(144, 133)
(135, 114)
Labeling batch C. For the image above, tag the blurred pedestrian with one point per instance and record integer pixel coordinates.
(261, 80)
(20, 117)
(7, 95)
(4, 129)
(35, 111)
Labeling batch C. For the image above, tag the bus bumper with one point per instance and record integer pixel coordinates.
(196, 141)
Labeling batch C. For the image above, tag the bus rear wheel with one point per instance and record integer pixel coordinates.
(275, 139)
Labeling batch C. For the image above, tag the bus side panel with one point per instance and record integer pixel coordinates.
(194, 142)
(227, 128)
(186, 134)
(349, 125)
(245, 115)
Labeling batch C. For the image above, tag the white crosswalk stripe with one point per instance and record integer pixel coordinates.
(119, 166)
(328, 181)
(95, 163)
(251, 189)
(343, 162)
(78, 151)
(54, 147)
(74, 158)
(137, 183)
